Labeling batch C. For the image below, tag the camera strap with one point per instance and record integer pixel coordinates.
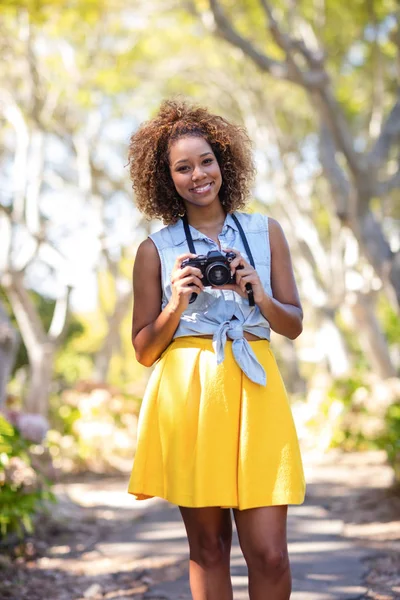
(189, 238)
(244, 240)
(190, 243)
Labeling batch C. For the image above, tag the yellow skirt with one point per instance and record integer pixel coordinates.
(208, 436)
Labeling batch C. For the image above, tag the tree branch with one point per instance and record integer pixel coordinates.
(385, 187)
(390, 133)
(316, 82)
(14, 115)
(276, 68)
(336, 176)
(28, 320)
(59, 322)
(333, 117)
(291, 45)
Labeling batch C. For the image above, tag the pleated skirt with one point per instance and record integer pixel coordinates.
(209, 436)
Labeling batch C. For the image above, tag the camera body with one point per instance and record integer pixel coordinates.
(215, 267)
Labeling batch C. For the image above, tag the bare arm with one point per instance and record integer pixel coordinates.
(153, 329)
(283, 311)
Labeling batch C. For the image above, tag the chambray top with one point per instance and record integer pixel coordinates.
(221, 313)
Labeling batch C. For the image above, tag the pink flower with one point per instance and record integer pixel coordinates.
(32, 427)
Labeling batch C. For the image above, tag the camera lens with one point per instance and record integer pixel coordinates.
(218, 274)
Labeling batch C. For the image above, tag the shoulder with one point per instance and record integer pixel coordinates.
(253, 221)
(169, 235)
(276, 235)
(147, 253)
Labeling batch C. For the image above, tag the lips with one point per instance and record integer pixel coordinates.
(202, 189)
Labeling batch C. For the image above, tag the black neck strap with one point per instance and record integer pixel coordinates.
(189, 240)
(244, 240)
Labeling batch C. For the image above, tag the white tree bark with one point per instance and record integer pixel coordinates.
(40, 345)
(370, 333)
(8, 349)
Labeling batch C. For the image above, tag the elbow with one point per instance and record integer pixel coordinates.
(145, 362)
(142, 358)
(296, 330)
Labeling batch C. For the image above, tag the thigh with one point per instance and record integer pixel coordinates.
(262, 530)
(207, 524)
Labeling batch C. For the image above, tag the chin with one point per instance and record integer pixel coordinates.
(202, 201)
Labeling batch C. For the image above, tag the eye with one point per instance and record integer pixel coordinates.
(180, 169)
(207, 160)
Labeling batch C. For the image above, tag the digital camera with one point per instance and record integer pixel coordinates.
(215, 267)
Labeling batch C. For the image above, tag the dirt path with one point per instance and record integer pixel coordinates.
(344, 542)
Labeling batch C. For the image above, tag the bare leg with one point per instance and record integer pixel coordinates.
(209, 532)
(262, 537)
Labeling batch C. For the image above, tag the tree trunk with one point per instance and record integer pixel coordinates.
(8, 349)
(333, 346)
(41, 372)
(40, 345)
(112, 340)
(372, 339)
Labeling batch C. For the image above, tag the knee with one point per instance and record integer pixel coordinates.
(210, 551)
(273, 562)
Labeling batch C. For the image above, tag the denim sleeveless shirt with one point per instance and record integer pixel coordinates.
(221, 313)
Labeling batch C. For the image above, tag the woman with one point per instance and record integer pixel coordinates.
(215, 431)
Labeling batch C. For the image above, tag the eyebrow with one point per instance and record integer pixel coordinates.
(186, 159)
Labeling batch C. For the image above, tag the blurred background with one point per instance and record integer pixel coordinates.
(316, 84)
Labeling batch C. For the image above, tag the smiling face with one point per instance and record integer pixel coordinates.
(195, 171)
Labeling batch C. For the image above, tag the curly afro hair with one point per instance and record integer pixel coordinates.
(148, 155)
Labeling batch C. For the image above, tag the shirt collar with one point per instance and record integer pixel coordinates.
(178, 231)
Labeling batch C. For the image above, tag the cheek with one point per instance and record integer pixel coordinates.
(217, 171)
(178, 180)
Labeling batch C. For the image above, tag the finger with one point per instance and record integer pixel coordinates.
(182, 273)
(191, 280)
(239, 262)
(188, 290)
(244, 272)
(247, 270)
(248, 279)
(182, 257)
(235, 250)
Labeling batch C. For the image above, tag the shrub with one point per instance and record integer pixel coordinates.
(23, 490)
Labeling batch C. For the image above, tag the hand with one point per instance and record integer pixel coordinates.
(184, 282)
(244, 273)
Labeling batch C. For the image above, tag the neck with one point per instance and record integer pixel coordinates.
(207, 217)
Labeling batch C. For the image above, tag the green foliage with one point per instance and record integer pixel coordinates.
(370, 418)
(389, 319)
(45, 309)
(345, 387)
(389, 440)
(22, 490)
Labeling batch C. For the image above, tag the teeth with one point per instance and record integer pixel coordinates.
(202, 188)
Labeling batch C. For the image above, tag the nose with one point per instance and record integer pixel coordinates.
(198, 174)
